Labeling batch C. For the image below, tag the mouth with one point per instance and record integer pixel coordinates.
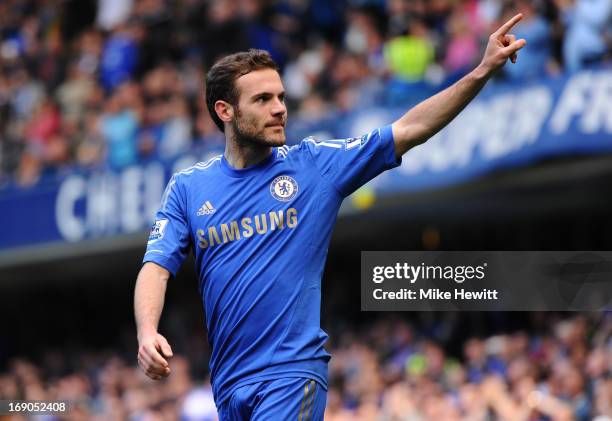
(276, 125)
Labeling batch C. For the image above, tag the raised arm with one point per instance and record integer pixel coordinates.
(153, 349)
(430, 116)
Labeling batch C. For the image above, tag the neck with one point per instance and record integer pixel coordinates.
(241, 153)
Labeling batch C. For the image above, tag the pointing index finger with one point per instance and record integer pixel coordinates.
(503, 30)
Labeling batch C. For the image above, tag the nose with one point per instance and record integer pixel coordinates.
(278, 108)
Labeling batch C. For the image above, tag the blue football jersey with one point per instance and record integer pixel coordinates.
(260, 237)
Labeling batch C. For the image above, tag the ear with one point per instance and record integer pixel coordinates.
(224, 110)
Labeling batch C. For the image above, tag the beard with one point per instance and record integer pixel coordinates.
(247, 131)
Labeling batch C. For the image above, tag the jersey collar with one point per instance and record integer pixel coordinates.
(248, 171)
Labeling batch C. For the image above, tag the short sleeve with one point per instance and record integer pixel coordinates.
(168, 243)
(350, 163)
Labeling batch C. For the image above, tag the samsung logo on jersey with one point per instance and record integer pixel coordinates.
(247, 227)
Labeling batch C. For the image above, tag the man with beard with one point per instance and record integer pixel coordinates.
(259, 220)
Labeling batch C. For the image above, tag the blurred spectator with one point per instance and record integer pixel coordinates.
(176, 137)
(119, 126)
(479, 364)
(408, 56)
(587, 38)
(305, 73)
(73, 93)
(223, 24)
(26, 92)
(88, 51)
(42, 128)
(535, 57)
(462, 51)
(89, 143)
(120, 55)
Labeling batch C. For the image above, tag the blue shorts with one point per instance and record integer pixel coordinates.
(291, 398)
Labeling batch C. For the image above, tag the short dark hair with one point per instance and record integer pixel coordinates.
(221, 78)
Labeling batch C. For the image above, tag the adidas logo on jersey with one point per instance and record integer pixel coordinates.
(206, 209)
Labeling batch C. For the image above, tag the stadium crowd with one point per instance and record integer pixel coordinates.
(115, 82)
(389, 370)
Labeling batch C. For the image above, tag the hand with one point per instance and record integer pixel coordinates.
(153, 352)
(501, 47)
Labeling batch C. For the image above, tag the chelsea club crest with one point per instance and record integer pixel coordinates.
(283, 188)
